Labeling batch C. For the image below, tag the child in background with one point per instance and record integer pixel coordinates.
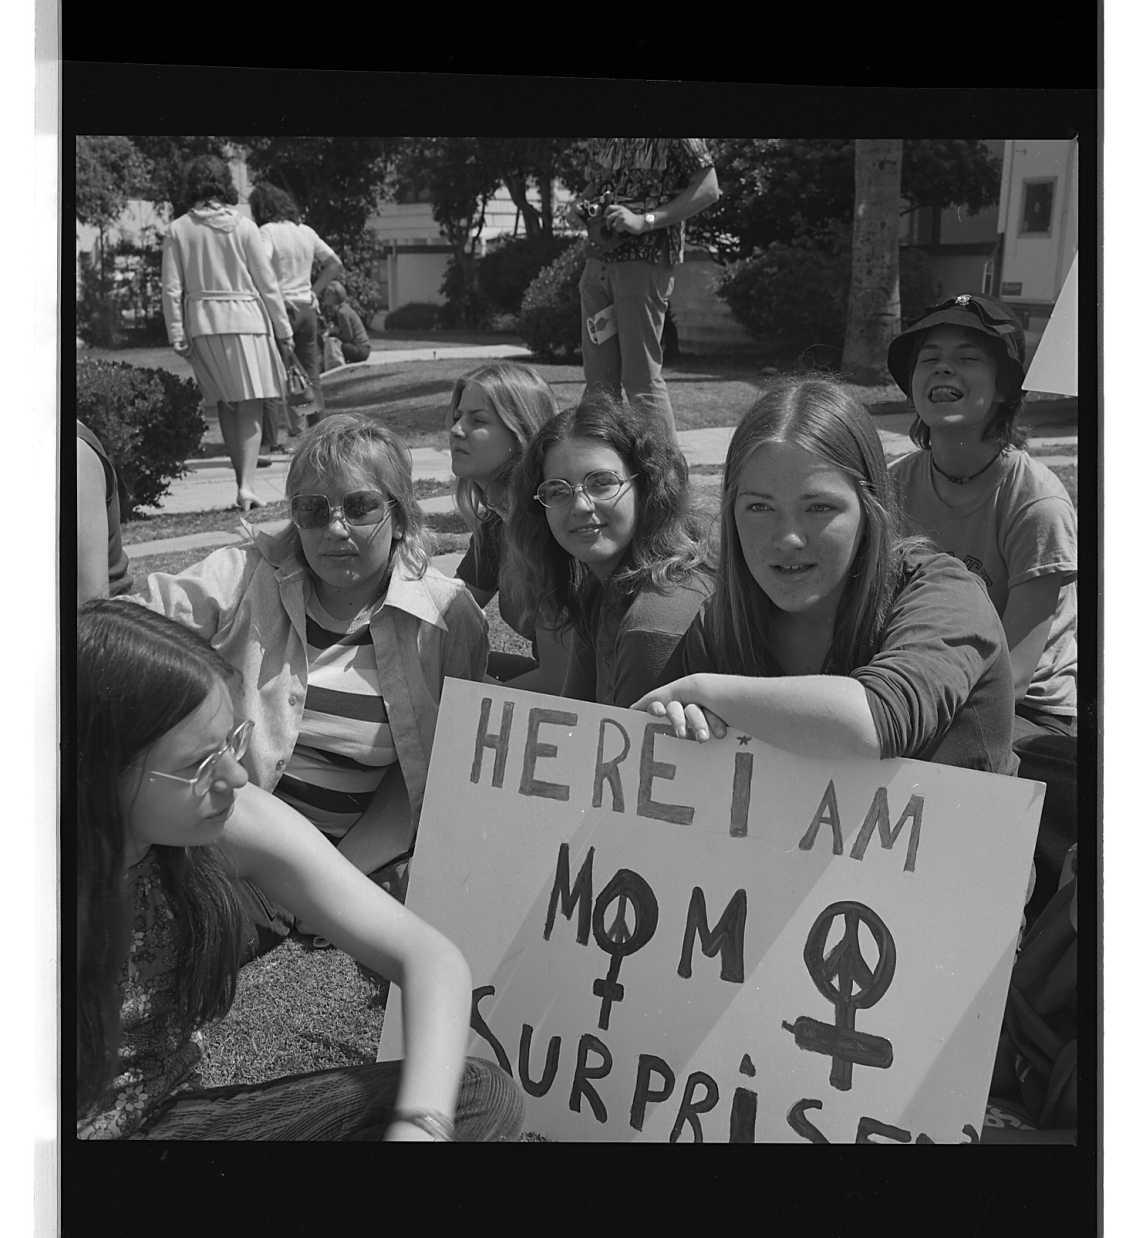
(167, 829)
(829, 635)
(977, 495)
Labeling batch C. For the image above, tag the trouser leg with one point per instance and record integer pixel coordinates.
(641, 293)
(602, 362)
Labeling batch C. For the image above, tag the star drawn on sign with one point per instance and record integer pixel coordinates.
(744, 739)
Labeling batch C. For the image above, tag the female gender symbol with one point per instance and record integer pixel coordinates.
(845, 964)
(628, 887)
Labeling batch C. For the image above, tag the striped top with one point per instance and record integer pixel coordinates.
(345, 742)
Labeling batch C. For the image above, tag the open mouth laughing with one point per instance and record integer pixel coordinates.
(944, 395)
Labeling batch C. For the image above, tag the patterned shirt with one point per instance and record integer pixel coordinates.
(645, 174)
(159, 1052)
(344, 746)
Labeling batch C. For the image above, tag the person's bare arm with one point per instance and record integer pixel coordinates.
(697, 196)
(1030, 609)
(94, 578)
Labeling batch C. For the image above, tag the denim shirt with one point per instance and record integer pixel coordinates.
(249, 601)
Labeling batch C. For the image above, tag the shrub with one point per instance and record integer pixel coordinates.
(466, 307)
(148, 420)
(512, 263)
(361, 259)
(550, 308)
(414, 316)
(801, 291)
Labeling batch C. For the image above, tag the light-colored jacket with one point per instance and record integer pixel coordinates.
(219, 282)
(249, 601)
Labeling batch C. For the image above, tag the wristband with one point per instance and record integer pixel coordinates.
(428, 1120)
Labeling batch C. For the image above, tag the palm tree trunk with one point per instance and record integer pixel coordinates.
(873, 298)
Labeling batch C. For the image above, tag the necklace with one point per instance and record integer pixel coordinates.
(961, 481)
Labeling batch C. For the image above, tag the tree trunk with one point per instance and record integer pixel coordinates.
(873, 298)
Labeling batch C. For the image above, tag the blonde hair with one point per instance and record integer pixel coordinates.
(347, 443)
(524, 402)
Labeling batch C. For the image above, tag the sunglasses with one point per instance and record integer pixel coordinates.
(206, 774)
(601, 487)
(360, 507)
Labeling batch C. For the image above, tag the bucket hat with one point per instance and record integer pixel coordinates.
(979, 313)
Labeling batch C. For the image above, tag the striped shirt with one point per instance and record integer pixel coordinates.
(345, 744)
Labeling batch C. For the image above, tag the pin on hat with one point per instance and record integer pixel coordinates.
(978, 313)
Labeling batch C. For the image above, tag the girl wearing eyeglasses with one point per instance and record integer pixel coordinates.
(168, 830)
(604, 544)
(343, 636)
(829, 634)
(494, 411)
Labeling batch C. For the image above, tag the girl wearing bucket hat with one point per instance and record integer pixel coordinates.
(973, 491)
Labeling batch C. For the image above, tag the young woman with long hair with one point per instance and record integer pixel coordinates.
(343, 635)
(168, 827)
(604, 544)
(830, 634)
(494, 412)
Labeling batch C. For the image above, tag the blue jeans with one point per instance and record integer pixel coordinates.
(632, 358)
(347, 1103)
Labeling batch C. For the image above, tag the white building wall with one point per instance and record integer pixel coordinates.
(1037, 261)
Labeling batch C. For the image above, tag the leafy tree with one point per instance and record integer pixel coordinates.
(109, 170)
(166, 157)
(789, 190)
(335, 181)
(518, 161)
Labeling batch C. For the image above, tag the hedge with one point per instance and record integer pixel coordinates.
(550, 309)
(149, 422)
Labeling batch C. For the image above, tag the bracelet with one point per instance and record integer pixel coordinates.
(428, 1120)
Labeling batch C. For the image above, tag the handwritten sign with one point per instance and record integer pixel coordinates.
(719, 942)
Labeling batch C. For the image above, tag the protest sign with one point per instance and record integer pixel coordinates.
(719, 942)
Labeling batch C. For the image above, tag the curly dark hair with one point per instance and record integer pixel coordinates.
(208, 178)
(270, 204)
(669, 543)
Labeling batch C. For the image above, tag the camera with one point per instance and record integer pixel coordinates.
(593, 208)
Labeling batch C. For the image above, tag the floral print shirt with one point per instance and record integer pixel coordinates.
(644, 174)
(159, 1054)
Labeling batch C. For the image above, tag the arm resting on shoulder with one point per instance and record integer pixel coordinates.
(94, 569)
(287, 857)
(814, 715)
(1030, 610)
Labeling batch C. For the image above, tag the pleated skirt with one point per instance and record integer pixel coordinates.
(230, 368)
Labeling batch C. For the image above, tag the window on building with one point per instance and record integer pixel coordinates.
(1037, 207)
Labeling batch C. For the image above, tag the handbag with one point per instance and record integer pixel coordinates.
(300, 390)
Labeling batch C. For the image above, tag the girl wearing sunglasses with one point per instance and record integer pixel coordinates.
(829, 634)
(603, 543)
(494, 411)
(168, 832)
(343, 636)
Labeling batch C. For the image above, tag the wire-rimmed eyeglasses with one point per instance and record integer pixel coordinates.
(203, 779)
(601, 486)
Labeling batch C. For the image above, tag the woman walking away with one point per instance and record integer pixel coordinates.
(494, 412)
(168, 827)
(604, 544)
(827, 634)
(292, 248)
(222, 305)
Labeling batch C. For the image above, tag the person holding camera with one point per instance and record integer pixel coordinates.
(640, 192)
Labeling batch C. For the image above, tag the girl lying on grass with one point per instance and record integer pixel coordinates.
(168, 827)
(343, 636)
(828, 634)
(604, 545)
